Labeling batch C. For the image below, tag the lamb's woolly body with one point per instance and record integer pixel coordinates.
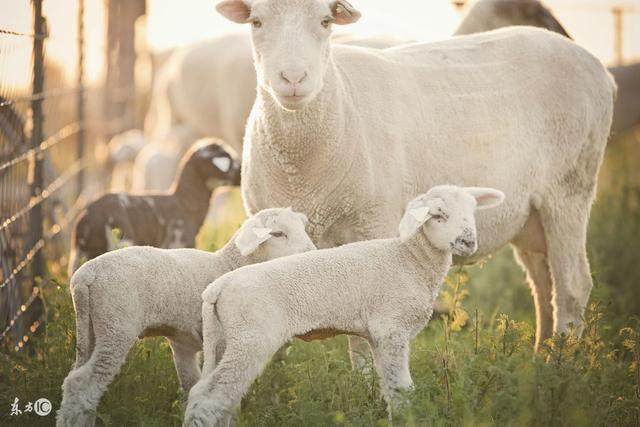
(378, 290)
(134, 293)
(139, 292)
(498, 109)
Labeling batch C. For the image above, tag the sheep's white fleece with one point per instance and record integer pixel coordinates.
(520, 109)
(138, 292)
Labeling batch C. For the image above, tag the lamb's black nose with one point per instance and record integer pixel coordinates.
(469, 244)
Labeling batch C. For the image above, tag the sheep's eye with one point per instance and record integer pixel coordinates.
(440, 217)
(256, 23)
(326, 22)
(277, 234)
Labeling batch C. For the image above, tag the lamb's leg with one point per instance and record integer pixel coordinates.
(565, 223)
(218, 392)
(359, 352)
(539, 278)
(83, 387)
(391, 358)
(185, 357)
(213, 339)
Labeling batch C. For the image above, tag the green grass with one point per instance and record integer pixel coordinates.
(474, 366)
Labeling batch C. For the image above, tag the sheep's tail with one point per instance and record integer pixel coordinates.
(79, 287)
(212, 332)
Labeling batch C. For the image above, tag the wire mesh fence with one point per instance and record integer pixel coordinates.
(51, 123)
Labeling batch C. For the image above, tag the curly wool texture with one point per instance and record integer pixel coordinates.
(139, 292)
(381, 290)
(519, 109)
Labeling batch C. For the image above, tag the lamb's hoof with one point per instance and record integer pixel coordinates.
(202, 415)
(78, 419)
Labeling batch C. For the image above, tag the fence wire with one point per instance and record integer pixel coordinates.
(50, 123)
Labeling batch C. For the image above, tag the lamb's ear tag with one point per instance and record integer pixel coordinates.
(222, 163)
(261, 232)
(420, 214)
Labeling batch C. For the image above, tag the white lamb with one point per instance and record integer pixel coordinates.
(349, 135)
(140, 292)
(380, 290)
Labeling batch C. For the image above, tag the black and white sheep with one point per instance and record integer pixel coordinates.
(161, 219)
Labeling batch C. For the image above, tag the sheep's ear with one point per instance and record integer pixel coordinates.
(414, 217)
(344, 13)
(237, 11)
(486, 198)
(223, 163)
(250, 236)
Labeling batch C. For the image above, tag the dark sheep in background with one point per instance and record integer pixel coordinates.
(161, 219)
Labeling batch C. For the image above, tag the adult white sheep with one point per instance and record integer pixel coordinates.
(142, 291)
(381, 290)
(348, 135)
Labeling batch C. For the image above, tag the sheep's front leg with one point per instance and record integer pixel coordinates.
(185, 357)
(391, 358)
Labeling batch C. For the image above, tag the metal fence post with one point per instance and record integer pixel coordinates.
(80, 101)
(39, 29)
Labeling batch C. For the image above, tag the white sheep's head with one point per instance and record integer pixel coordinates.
(273, 233)
(291, 43)
(446, 213)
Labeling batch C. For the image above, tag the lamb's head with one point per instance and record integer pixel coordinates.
(446, 215)
(214, 163)
(291, 43)
(273, 233)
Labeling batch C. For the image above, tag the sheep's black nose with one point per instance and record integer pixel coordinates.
(465, 242)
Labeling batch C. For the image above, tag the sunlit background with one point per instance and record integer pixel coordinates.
(171, 23)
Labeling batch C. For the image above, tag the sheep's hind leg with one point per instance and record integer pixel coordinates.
(391, 358)
(185, 358)
(565, 224)
(217, 393)
(83, 387)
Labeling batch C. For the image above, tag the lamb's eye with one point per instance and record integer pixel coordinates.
(440, 217)
(278, 234)
(256, 23)
(326, 22)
